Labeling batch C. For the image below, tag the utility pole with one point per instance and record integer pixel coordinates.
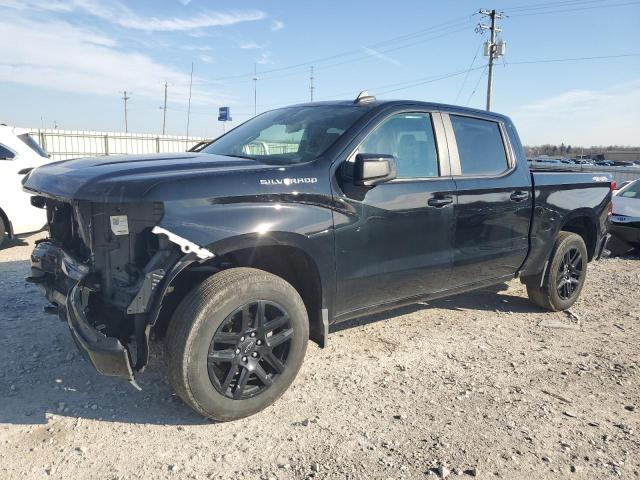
(189, 105)
(311, 88)
(492, 49)
(164, 110)
(126, 120)
(255, 89)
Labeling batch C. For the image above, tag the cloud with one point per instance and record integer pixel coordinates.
(118, 14)
(60, 56)
(185, 2)
(265, 58)
(606, 116)
(250, 46)
(381, 56)
(277, 25)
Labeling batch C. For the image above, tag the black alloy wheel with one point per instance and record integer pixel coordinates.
(249, 350)
(569, 274)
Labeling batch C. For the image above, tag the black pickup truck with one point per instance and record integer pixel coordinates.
(301, 217)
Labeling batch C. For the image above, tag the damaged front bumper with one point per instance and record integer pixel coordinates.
(63, 280)
(107, 354)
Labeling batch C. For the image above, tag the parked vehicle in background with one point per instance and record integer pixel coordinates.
(301, 217)
(19, 153)
(625, 220)
(552, 161)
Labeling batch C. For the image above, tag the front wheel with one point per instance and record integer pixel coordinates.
(236, 342)
(565, 274)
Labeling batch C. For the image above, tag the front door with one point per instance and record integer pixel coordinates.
(393, 240)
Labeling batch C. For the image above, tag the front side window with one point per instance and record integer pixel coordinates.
(6, 154)
(480, 146)
(288, 135)
(409, 138)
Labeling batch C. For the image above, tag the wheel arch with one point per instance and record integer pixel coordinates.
(584, 224)
(283, 255)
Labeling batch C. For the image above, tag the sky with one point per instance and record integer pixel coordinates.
(68, 62)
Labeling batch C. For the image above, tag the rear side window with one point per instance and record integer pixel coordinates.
(480, 146)
(6, 154)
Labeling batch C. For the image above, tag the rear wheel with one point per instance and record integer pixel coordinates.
(565, 274)
(236, 343)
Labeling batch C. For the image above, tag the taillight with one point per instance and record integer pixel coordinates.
(614, 185)
(610, 208)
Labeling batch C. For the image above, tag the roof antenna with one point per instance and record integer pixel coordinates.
(364, 97)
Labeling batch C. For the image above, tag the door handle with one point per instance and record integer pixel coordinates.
(439, 202)
(519, 196)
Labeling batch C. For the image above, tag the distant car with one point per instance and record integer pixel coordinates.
(604, 163)
(625, 220)
(19, 153)
(547, 160)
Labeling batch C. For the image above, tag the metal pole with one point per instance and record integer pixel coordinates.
(164, 110)
(126, 120)
(492, 48)
(189, 106)
(255, 90)
(311, 88)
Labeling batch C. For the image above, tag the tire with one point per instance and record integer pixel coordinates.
(558, 293)
(204, 336)
(3, 231)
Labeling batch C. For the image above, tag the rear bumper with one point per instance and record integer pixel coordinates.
(628, 234)
(62, 277)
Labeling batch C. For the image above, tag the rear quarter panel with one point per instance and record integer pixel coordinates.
(559, 198)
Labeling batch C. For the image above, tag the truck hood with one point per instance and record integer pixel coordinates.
(126, 178)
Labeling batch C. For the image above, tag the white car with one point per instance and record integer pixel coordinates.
(19, 153)
(625, 220)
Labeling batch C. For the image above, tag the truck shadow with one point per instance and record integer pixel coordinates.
(42, 375)
(14, 242)
(486, 299)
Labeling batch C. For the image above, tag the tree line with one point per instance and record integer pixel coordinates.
(563, 150)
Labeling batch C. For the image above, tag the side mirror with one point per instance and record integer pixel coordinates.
(24, 171)
(371, 169)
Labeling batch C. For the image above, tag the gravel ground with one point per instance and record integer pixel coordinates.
(482, 384)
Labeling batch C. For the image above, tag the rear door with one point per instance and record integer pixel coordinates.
(494, 200)
(393, 241)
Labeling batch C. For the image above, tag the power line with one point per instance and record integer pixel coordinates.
(484, 68)
(573, 59)
(164, 110)
(551, 12)
(448, 24)
(468, 71)
(189, 104)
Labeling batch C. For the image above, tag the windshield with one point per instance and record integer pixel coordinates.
(33, 145)
(288, 135)
(631, 191)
